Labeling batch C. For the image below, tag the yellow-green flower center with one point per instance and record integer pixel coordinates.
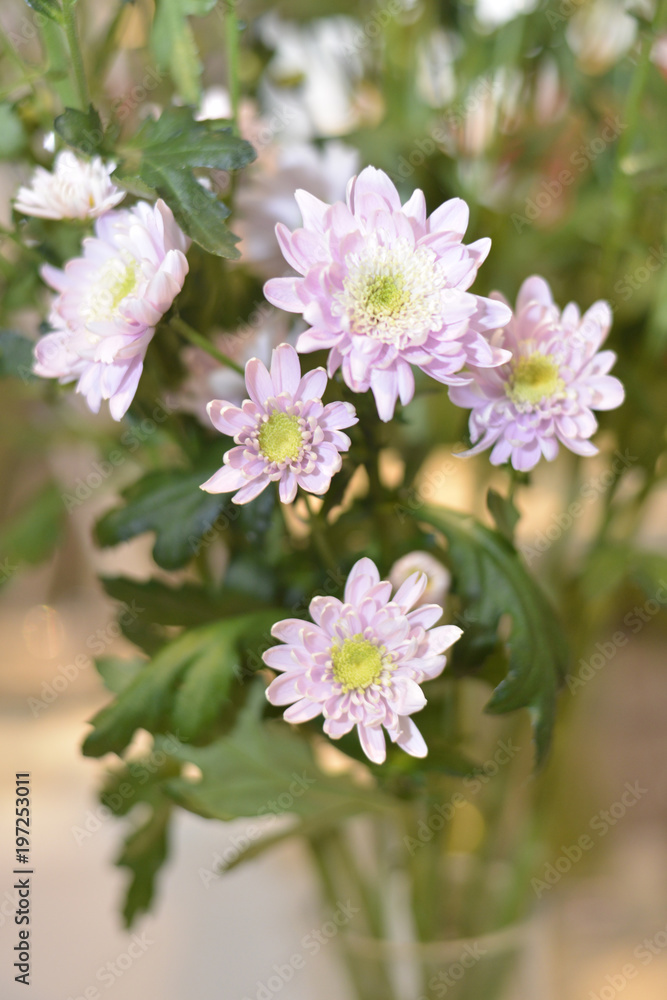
(384, 296)
(356, 664)
(115, 281)
(534, 378)
(280, 437)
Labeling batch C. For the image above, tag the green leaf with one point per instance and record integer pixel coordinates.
(492, 581)
(16, 356)
(144, 853)
(117, 673)
(198, 212)
(175, 139)
(264, 768)
(11, 130)
(504, 513)
(32, 535)
(171, 504)
(173, 43)
(186, 605)
(160, 158)
(81, 129)
(50, 8)
(163, 698)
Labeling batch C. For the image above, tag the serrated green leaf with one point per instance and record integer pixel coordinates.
(171, 504)
(50, 8)
(247, 772)
(163, 699)
(81, 129)
(198, 212)
(176, 140)
(16, 356)
(492, 581)
(144, 853)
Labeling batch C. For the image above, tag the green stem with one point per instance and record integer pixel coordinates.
(72, 34)
(180, 326)
(319, 536)
(232, 50)
(28, 251)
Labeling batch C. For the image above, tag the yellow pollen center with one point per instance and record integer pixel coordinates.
(356, 664)
(534, 378)
(280, 437)
(116, 281)
(384, 296)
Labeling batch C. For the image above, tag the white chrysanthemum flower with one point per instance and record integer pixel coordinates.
(75, 189)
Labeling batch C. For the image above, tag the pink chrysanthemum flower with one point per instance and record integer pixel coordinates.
(75, 189)
(110, 301)
(546, 393)
(362, 661)
(284, 433)
(384, 287)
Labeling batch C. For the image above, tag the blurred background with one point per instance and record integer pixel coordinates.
(549, 119)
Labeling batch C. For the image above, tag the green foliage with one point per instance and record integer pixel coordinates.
(32, 535)
(492, 581)
(118, 673)
(173, 44)
(245, 772)
(15, 356)
(81, 129)
(144, 853)
(170, 504)
(50, 9)
(504, 513)
(167, 697)
(186, 605)
(11, 130)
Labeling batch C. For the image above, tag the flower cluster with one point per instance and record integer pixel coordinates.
(384, 287)
(362, 661)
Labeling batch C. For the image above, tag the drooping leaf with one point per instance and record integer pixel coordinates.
(492, 581)
(144, 853)
(171, 504)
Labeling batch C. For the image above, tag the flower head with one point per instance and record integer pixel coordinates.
(283, 433)
(109, 302)
(362, 661)
(384, 287)
(546, 393)
(76, 189)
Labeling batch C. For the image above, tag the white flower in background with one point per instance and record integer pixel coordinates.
(110, 301)
(316, 70)
(208, 379)
(599, 34)
(266, 196)
(492, 13)
(659, 53)
(436, 81)
(74, 189)
(438, 576)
